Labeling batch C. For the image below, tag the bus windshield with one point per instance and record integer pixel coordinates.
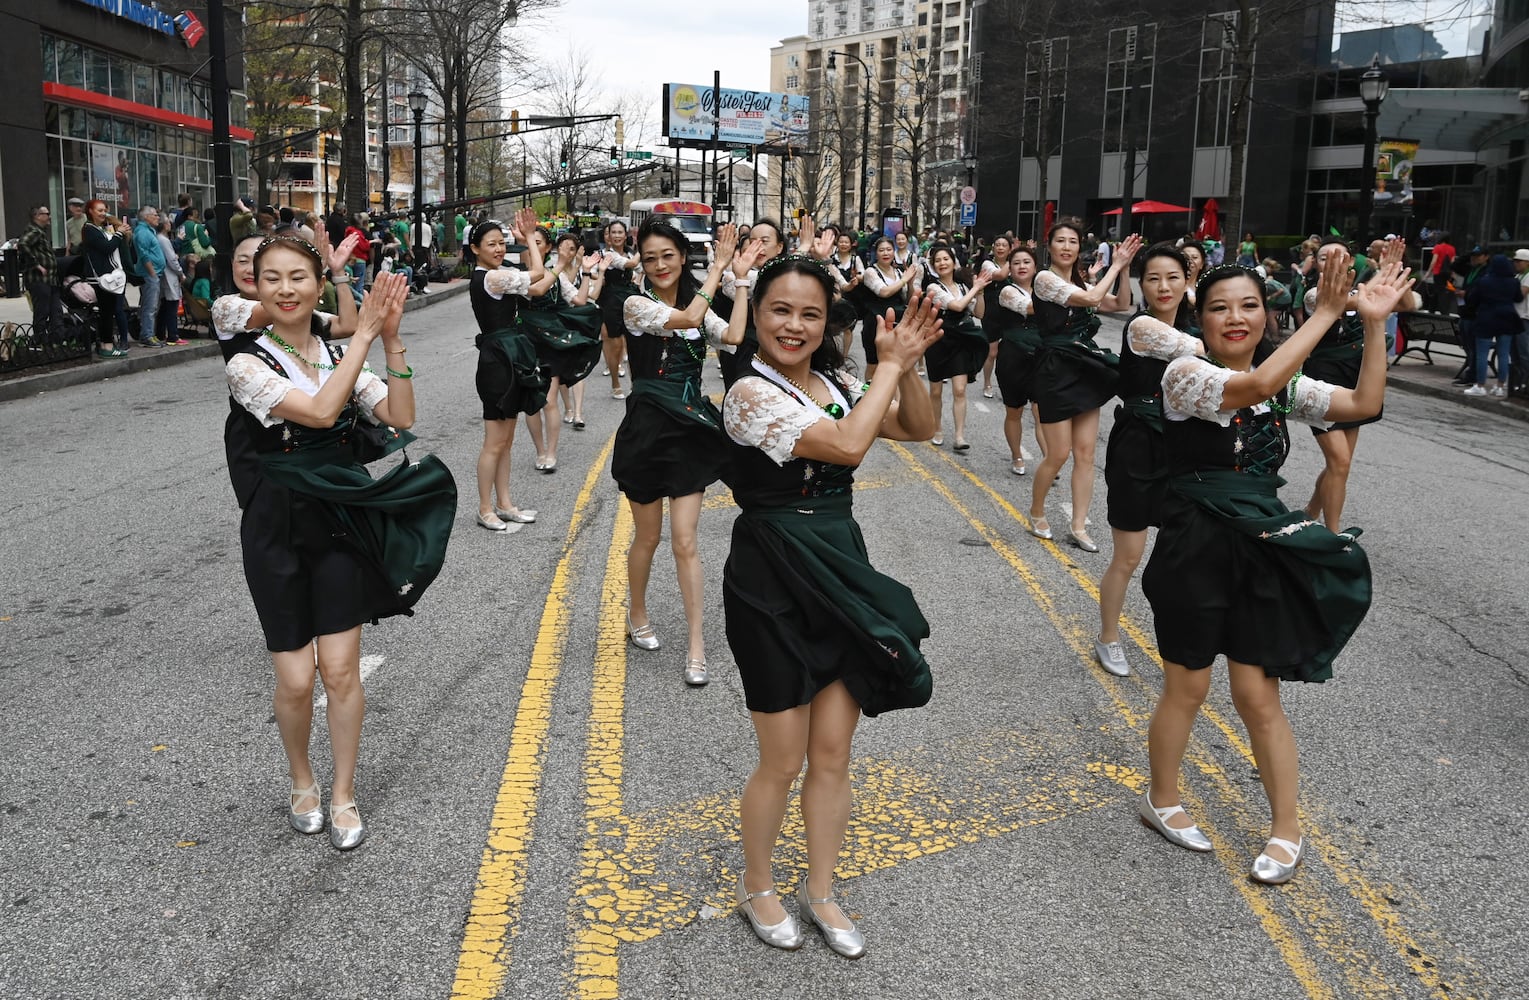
(697, 224)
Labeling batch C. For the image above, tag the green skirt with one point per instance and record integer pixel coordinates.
(805, 609)
(567, 340)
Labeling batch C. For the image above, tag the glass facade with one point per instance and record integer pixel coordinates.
(125, 162)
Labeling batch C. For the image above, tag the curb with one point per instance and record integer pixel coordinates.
(1511, 409)
(142, 360)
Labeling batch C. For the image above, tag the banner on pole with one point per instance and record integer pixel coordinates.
(748, 117)
(1394, 159)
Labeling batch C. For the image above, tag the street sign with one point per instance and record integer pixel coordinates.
(738, 154)
(969, 213)
(634, 154)
(968, 195)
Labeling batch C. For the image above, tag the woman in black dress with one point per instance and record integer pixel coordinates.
(996, 267)
(1233, 570)
(1073, 376)
(849, 272)
(325, 546)
(1337, 360)
(580, 280)
(819, 636)
(509, 379)
(101, 244)
(670, 442)
(1019, 338)
(618, 268)
(886, 287)
(963, 347)
(1134, 466)
(566, 337)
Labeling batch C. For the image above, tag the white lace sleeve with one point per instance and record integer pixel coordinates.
(1152, 338)
(1051, 287)
(257, 388)
(852, 385)
(760, 415)
(1192, 387)
(566, 286)
(876, 281)
(941, 296)
(370, 390)
(729, 283)
(231, 315)
(989, 267)
(643, 315)
(1310, 400)
(1016, 299)
(715, 327)
(502, 281)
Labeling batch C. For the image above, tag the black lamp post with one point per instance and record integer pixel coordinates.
(970, 159)
(417, 105)
(1372, 91)
(865, 126)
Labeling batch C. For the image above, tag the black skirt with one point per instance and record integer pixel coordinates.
(1069, 379)
(661, 452)
(1015, 369)
(1344, 372)
(961, 351)
(1135, 464)
(509, 379)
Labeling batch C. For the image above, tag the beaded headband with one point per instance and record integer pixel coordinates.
(289, 240)
(818, 268)
(1221, 272)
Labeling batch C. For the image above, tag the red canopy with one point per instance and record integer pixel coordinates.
(1210, 221)
(1150, 208)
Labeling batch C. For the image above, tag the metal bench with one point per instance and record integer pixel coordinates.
(1422, 332)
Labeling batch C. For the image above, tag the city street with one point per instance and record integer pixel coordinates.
(554, 814)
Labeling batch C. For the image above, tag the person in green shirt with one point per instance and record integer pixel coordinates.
(461, 224)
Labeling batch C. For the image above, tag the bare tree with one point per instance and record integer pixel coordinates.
(918, 129)
(280, 73)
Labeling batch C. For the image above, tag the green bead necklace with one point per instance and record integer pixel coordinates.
(276, 339)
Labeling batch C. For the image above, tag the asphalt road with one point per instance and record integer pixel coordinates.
(553, 813)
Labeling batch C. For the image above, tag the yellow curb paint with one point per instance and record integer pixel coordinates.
(492, 919)
(604, 890)
(1375, 901)
(1285, 938)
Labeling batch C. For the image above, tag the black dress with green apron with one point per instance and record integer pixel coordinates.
(616, 289)
(566, 337)
(510, 379)
(670, 443)
(1135, 460)
(804, 606)
(962, 347)
(1235, 572)
(1072, 374)
(327, 547)
(1019, 340)
(1336, 359)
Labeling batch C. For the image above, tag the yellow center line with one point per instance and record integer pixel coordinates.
(1374, 900)
(1285, 938)
(603, 894)
(493, 918)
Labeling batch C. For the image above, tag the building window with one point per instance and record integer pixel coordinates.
(1132, 61)
(1218, 40)
(1045, 96)
(792, 81)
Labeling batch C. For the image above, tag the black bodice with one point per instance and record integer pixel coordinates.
(1251, 443)
(492, 314)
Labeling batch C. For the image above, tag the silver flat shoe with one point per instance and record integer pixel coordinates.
(346, 838)
(1080, 539)
(517, 517)
(695, 673)
(1112, 657)
(787, 934)
(484, 522)
(1189, 837)
(848, 942)
(1272, 872)
(1040, 528)
(643, 637)
(309, 820)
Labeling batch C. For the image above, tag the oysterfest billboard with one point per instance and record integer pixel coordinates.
(748, 117)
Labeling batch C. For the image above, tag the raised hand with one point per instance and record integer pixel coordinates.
(747, 258)
(912, 270)
(982, 279)
(338, 259)
(1378, 298)
(725, 246)
(524, 225)
(823, 247)
(805, 233)
(1129, 248)
(1392, 254)
(1334, 281)
(594, 262)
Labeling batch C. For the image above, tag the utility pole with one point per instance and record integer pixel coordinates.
(222, 144)
(1134, 45)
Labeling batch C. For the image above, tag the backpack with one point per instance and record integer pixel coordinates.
(131, 261)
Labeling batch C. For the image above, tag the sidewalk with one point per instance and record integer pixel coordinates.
(1414, 375)
(147, 359)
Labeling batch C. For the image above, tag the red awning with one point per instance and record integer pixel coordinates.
(1151, 208)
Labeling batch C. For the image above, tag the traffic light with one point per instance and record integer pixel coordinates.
(614, 157)
(563, 164)
(620, 132)
(664, 180)
(515, 121)
(722, 189)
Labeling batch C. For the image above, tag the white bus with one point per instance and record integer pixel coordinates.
(693, 218)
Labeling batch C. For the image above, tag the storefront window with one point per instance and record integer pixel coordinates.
(123, 132)
(71, 64)
(97, 72)
(121, 78)
(49, 66)
(143, 85)
(166, 90)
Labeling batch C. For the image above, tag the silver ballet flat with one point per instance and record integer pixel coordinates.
(1080, 539)
(346, 838)
(1040, 528)
(309, 820)
(848, 942)
(1188, 837)
(1272, 872)
(643, 637)
(517, 517)
(695, 673)
(786, 935)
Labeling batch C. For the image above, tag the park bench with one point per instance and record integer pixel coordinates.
(1421, 332)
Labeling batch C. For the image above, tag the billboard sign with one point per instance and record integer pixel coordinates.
(748, 117)
(1394, 160)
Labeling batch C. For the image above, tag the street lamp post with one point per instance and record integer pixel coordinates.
(865, 126)
(1372, 91)
(417, 105)
(970, 159)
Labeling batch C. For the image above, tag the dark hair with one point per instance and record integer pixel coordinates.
(482, 229)
(1226, 272)
(571, 237)
(827, 358)
(295, 243)
(930, 278)
(1182, 317)
(1076, 225)
(876, 246)
(615, 222)
(654, 227)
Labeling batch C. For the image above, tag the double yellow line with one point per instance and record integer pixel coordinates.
(1322, 926)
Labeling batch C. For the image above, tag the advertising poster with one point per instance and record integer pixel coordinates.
(103, 173)
(1394, 160)
(748, 117)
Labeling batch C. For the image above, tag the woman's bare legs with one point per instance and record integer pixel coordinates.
(494, 466)
(1014, 433)
(684, 519)
(937, 399)
(987, 369)
(612, 348)
(1256, 698)
(1056, 444)
(551, 419)
(826, 792)
(958, 406)
(340, 667)
(1331, 491)
(1184, 691)
(293, 706)
(1125, 556)
(1085, 434)
(649, 521)
(783, 738)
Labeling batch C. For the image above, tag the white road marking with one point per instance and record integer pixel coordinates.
(982, 407)
(369, 663)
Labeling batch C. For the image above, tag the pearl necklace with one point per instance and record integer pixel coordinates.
(832, 409)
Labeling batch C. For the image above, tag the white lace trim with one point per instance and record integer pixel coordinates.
(231, 315)
(643, 315)
(729, 283)
(1016, 299)
(1193, 387)
(943, 297)
(502, 281)
(875, 280)
(1152, 338)
(567, 286)
(760, 411)
(1049, 286)
(989, 267)
(258, 389)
